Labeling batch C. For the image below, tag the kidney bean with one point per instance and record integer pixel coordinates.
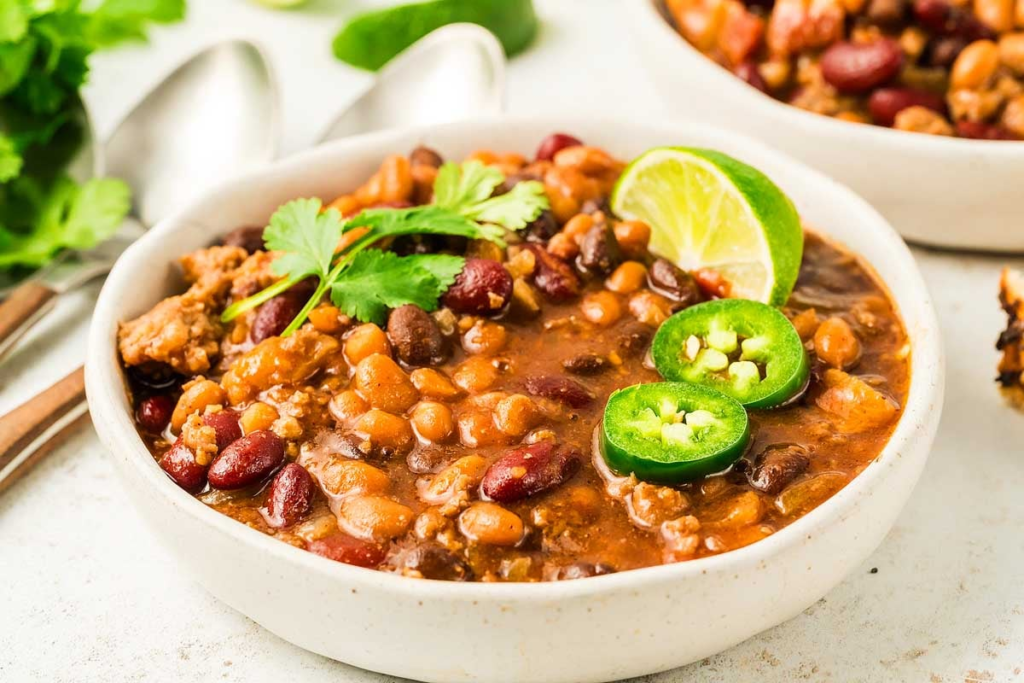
(153, 379)
(561, 389)
(415, 337)
(180, 465)
(941, 18)
(249, 238)
(599, 250)
(543, 228)
(274, 316)
(555, 143)
(154, 413)
(432, 562)
(673, 282)
(483, 287)
(225, 424)
(586, 364)
(553, 276)
(978, 130)
(580, 570)
(776, 466)
(858, 67)
(344, 548)
(885, 103)
(528, 470)
(886, 12)
(247, 460)
(747, 71)
(290, 496)
(942, 52)
(424, 156)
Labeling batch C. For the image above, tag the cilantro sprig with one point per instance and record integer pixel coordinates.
(364, 282)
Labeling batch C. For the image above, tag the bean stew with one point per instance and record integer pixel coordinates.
(942, 67)
(449, 421)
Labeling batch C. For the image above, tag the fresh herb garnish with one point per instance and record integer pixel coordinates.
(44, 52)
(365, 282)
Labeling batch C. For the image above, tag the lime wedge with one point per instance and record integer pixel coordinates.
(281, 4)
(708, 210)
(371, 39)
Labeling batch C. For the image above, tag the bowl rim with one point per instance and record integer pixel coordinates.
(656, 26)
(105, 387)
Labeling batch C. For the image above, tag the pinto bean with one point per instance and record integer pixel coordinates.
(384, 384)
(415, 336)
(561, 389)
(432, 561)
(836, 343)
(424, 156)
(858, 67)
(348, 550)
(180, 465)
(374, 517)
(529, 470)
(491, 524)
(483, 287)
(154, 413)
(776, 466)
(554, 277)
(247, 460)
(197, 396)
(290, 496)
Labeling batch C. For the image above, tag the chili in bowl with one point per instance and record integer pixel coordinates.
(527, 392)
(935, 189)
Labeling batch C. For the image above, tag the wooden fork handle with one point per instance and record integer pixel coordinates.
(26, 432)
(23, 308)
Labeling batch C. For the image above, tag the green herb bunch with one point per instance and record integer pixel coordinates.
(44, 53)
(365, 282)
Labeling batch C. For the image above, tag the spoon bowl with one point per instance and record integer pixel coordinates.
(213, 118)
(453, 74)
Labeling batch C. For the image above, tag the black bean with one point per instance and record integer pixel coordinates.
(432, 562)
(776, 466)
(674, 282)
(249, 238)
(599, 250)
(586, 364)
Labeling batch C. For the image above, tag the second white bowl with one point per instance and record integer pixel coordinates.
(946, 192)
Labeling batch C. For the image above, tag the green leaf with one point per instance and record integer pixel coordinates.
(458, 187)
(424, 220)
(15, 60)
(70, 216)
(378, 280)
(13, 20)
(116, 21)
(515, 209)
(10, 160)
(308, 237)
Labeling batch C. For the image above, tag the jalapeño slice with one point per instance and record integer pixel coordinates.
(742, 348)
(671, 432)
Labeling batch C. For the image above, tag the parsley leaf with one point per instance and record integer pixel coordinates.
(307, 236)
(378, 280)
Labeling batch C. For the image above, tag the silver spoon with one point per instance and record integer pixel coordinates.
(214, 117)
(463, 63)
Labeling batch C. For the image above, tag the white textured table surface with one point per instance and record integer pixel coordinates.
(88, 595)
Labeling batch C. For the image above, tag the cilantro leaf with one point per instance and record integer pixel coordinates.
(459, 187)
(378, 280)
(70, 217)
(13, 20)
(425, 220)
(515, 209)
(115, 21)
(10, 160)
(15, 60)
(307, 236)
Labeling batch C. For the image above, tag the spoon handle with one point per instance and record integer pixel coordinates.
(30, 431)
(26, 305)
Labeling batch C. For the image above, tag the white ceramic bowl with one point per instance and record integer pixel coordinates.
(596, 629)
(946, 192)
